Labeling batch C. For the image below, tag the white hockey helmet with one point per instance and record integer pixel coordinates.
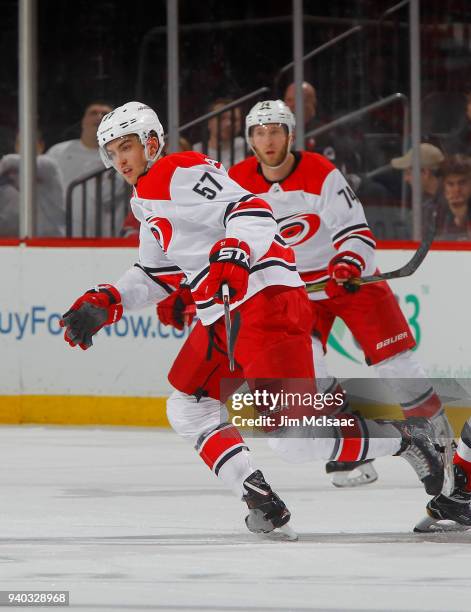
(131, 118)
(269, 111)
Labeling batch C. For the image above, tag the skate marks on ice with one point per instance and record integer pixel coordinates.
(104, 492)
(167, 540)
(449, 537)
(242, 539)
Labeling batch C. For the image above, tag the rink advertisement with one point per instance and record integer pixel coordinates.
(131, 359)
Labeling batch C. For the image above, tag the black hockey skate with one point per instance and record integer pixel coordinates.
(419, 450)
(266, 510)
(455, 507)
(351, 473)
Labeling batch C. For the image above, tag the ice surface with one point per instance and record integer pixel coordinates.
(131, 519)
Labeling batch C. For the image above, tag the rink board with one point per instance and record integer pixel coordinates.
(123, 378)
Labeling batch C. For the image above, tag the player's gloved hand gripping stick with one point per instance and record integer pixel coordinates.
(407, 270)
(229, 262)
(227, 282)
(343, 270)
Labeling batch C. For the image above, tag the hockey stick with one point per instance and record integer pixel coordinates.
(227, 323)
(407, 270)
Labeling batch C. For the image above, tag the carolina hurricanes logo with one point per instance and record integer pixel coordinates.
(296, 229)
(162, 230)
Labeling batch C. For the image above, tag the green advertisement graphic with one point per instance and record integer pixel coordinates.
(336, 336)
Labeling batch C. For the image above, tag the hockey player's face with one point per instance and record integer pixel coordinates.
(271, 143)
(128, 158)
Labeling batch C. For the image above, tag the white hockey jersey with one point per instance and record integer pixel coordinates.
(185, 203)
(317, 212)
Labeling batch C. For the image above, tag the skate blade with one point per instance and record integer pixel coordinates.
(289, 533)
(280, 534)
(344, 480)
(433, 525)
(448, 471)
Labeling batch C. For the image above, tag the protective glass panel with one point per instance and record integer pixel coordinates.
(357, 110)
(9, 160)
(87, 64)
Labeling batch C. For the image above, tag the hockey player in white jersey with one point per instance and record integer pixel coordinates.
(320, 216)
(197, 221)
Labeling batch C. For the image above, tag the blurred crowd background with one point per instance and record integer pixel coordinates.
(93, 56)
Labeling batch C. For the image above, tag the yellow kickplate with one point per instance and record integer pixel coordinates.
(84, 410)
(138, 411)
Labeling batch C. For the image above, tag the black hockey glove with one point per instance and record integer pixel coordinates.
(93, 310)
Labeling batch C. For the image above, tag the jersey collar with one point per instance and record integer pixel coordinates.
(297, 159)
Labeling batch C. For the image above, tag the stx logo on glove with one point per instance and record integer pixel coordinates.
(233, 254)
(229, 262)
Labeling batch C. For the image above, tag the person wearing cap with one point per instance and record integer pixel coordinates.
(430, 159)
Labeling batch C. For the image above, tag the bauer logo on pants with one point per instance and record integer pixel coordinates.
(392, 340)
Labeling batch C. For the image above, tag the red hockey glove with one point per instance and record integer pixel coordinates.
(342, 269)
(178, 309)
(93, 310)
(229, 262)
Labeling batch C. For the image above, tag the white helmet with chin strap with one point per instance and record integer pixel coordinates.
(269, 111)
(131, 118)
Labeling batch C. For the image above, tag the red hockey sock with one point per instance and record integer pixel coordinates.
(466, 467)
(352, 442)
(428, 406)
(220, 445)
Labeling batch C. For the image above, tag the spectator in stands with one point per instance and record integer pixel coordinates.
(310, 104)
(49, 214)
(224, 142)
(184, 145)
(80, 157)
(455, 222)
(460, 140)
(343, 154)
(430, 161)
(327, 143)
(311, 121)
(369, 192)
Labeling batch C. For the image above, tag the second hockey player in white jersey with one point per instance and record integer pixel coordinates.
(321, 218)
